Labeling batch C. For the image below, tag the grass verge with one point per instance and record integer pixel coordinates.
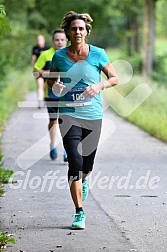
(150, 115)
(15, 88)
(4, 239)
(18, 83)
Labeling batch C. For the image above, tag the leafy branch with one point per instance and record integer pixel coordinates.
(4, 239)
(4, 26)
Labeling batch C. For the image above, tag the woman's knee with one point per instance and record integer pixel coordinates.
(75, 167)
(74, 175)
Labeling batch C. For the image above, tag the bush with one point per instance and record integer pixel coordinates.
(4, 239)
(136, 62)
(160, 69)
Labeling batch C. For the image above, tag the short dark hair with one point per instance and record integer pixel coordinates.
(57, 31)
(72, 15)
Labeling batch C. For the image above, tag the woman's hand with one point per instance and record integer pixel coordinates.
(93, 90)
(58, 87)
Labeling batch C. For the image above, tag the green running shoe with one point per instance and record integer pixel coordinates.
(85, 189)
(79, 222)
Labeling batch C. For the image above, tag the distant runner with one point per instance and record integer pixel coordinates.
(42, 65)
(36, 52)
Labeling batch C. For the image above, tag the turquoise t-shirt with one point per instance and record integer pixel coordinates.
(80, 74)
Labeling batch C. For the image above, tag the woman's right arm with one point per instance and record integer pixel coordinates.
(54, 81)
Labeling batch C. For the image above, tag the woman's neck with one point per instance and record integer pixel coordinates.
(78, 52)
(78, 49)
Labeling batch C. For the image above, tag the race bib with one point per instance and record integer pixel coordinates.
(75, 98)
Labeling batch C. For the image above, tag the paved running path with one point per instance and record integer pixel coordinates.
(123, 213)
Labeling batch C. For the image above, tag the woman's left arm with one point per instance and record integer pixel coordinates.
(112, 76)
(112, 80)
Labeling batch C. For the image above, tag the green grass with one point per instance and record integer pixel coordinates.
(151, 115)
(16, 86)
(2, 191)
(161, 50)
(114, 54)
(160, 46)
(4, 239)
(5, 175)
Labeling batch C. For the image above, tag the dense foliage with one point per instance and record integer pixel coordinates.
(116, 23)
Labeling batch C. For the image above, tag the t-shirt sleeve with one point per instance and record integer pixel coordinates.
(103, 60)
(54, 64)
(34, 50)
(40, 63)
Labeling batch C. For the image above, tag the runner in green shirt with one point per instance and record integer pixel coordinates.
(41, 67)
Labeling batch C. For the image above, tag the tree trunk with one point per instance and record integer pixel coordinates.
(129, 37)
(136, 36)
(149, 36)
(133, 43)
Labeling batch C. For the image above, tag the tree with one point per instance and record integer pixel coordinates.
(149, 36)
(4, 27)
(161, 18)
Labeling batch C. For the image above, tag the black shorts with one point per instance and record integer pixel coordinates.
(80, 140)
(52, 107)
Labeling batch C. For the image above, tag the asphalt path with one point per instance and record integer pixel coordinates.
(127, 205)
